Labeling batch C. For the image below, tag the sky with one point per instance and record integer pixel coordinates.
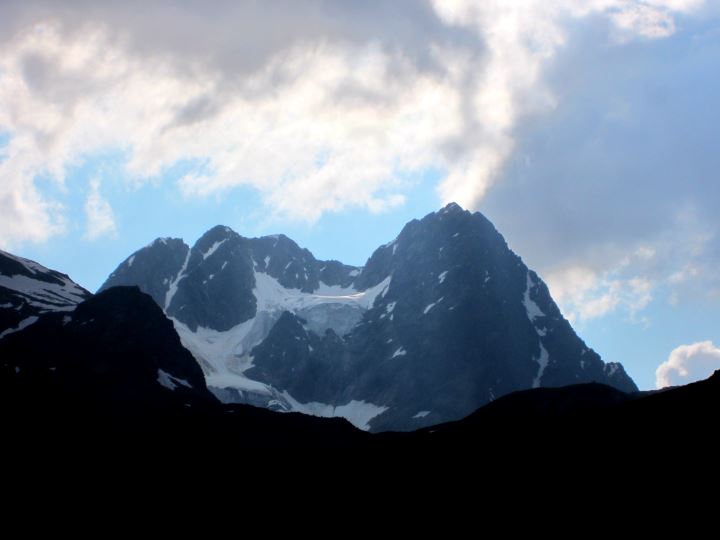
(586, 130)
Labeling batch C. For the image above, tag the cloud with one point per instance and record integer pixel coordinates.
(583, 294)
(98, 214)
(318, 105)
(675, 263)
(644, 20)
(623, 166)
(522, 39)
(24, 213)
(688, 363)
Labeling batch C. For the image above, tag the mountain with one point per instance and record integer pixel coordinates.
(212, 284)
(28, 290)
(109, 381)
(439, 322)
(114, 372)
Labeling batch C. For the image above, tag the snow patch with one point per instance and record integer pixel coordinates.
(225, 356)
(170, 381)
(399, 352)
(532, 309)
(333, 290)
(267, 261)
(430, 306)
(371, 294)
(174, 285)
(421, 414)
(213, 248)
(441, 277)
(238, 382)
(271, 295)
(611, 368)
(44, 295)
(21, 326)
(542, 361)
(131, 260)
(358, 413)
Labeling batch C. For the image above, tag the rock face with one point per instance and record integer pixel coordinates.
(439, 322)
(117, 343)
(155, 266)
(28, 290)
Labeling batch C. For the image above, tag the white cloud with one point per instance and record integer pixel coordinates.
(688, 363)
(584, 294)
(99, 214)
(318, 106)
(24, 213)
(644, 20)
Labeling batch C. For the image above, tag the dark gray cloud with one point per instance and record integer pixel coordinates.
(238, 37)
(629, 157)
(225, 41)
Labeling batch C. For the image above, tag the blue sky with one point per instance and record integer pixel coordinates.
(585, 130)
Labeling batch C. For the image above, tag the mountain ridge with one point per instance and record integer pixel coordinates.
(439, 321)
(29, 290)
(111, 376)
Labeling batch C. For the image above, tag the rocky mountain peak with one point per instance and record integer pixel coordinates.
(440, 321)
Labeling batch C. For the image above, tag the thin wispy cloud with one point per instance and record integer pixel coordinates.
(100, 218)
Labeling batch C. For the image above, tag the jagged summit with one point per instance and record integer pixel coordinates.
(211, 284)
(452, 207)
